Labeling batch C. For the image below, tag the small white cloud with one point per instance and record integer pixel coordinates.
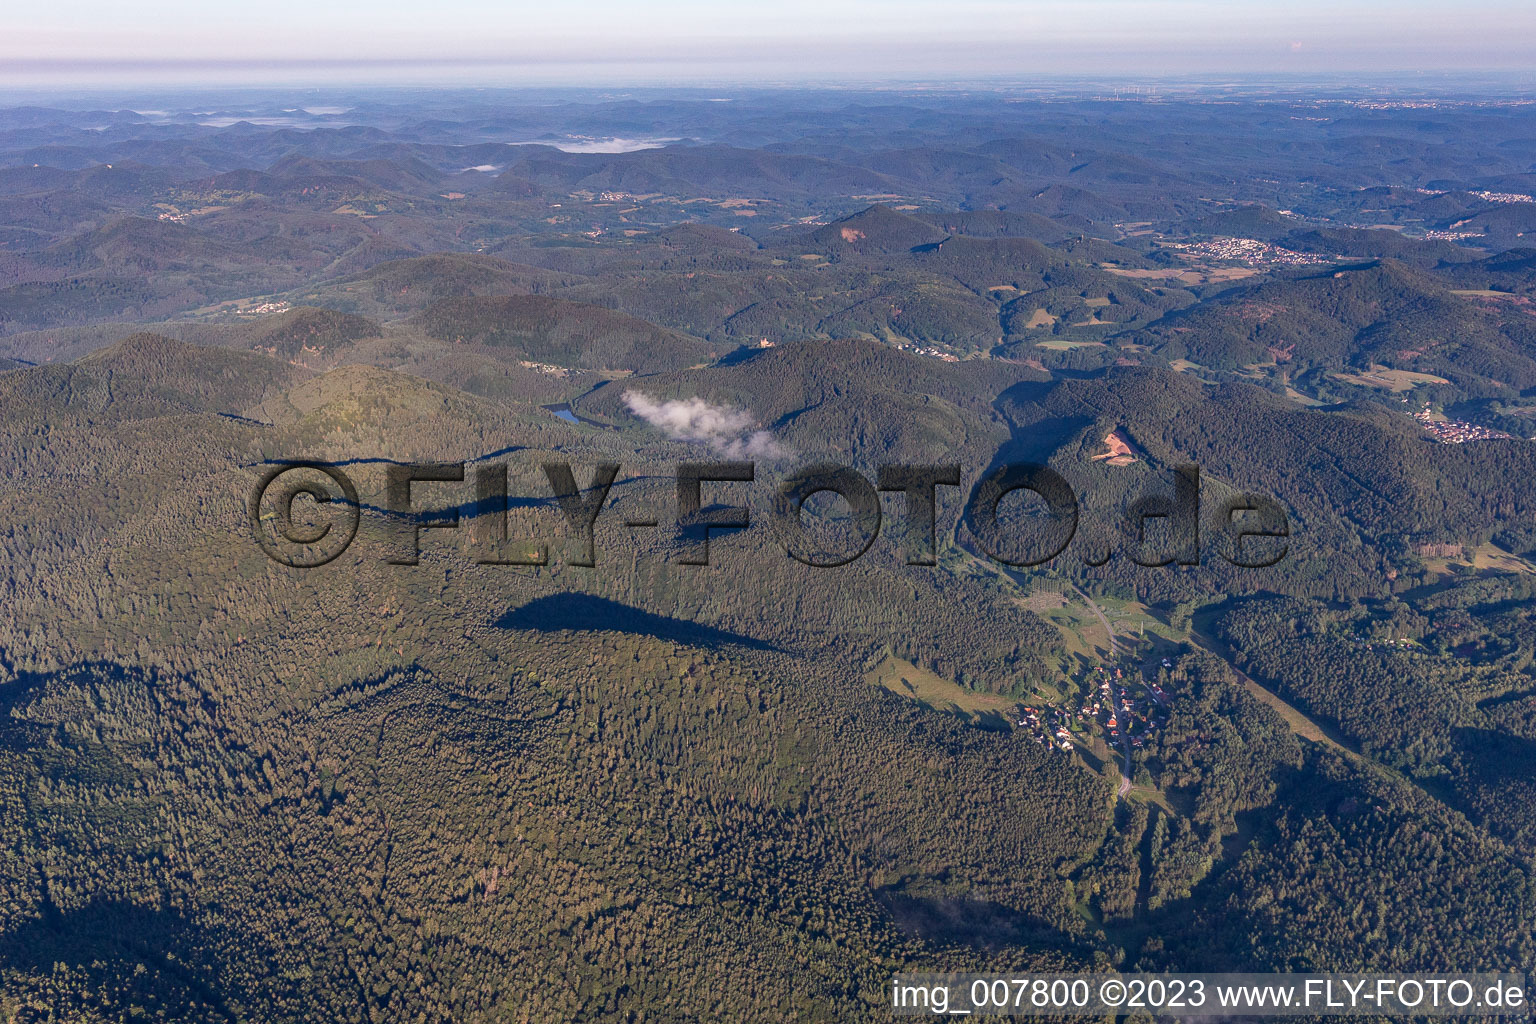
(729, 432)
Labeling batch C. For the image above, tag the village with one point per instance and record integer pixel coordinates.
(1248, 251)
(930, 351)
(1455, 431)
(1122, 708)
(263, 308)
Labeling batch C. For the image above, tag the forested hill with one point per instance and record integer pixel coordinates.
(542, 773)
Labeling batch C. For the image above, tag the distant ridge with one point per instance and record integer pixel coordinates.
(572, 334)
(1252, 221)
(1000, 224)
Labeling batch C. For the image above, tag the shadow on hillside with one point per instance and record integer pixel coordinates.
(586, 612)
(128, 958)
(1498, 765)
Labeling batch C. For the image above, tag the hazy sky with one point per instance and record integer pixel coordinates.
(778, 39)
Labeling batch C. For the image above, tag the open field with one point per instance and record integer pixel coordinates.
(1299, 723)
(1149, 274)
(1085, 636)
(906, 679)
(1491, 556)
(1392, 380)
(1065, 344)
(1192, 275)
(1488, 557)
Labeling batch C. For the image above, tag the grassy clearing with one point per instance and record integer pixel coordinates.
(1193, 275)
(1150, 274)
(1063, 344)
(1299, 723)
(1491, 556)
(1488, 557)
(1149, 795)
(907, 680)
(1084, 634)
(1297, 396)
(1227, 273)
(1392, 380)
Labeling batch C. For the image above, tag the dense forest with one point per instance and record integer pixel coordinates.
(497, 783)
